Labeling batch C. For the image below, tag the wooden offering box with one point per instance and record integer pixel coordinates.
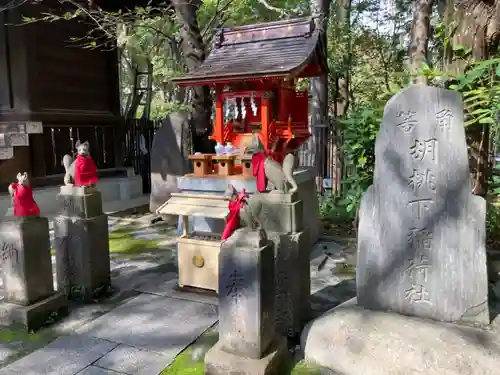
(197, 253)
(246, 165)
(202, 164)
(225, 164)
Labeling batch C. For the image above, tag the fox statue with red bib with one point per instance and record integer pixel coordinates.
(22, 196)
(82, 171)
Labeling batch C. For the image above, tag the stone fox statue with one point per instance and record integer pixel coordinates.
(250, 208)
(265, 168)
(22, 196)
(82, 171)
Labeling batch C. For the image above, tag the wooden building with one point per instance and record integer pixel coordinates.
(56, 90)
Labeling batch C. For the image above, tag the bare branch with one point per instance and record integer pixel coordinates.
(281, 11)
(12, 4)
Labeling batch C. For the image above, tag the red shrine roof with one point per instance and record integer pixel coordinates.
(280, 48)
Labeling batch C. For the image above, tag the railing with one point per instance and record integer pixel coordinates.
(60, 140)
(138, 141)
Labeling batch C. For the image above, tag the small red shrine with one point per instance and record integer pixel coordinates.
(254, 70)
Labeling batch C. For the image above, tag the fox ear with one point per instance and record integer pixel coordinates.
(25, 174)
(86, 144)
(77, 143)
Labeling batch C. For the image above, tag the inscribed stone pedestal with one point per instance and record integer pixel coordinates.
(246, 294)
(421, 242)
(81, 243)
(27, 273)
(82, 255)
(25, 254)
(248, 343)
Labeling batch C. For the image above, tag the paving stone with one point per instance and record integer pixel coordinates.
(94, 370)
(155, 323)
(128, 360)
(65, 356)
(6, 350)
(167, 286)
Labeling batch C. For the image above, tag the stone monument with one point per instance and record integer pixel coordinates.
(81, 243)
(421, 239)
(28, 282)
(169, 158)
(248, 343)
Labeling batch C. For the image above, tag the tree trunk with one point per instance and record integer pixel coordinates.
(193, 50)
(318, 108)
(420, 34)
(478, 27)
(341, 100)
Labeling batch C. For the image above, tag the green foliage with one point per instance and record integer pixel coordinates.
(359, 130)
(481, 91)
(493, 224)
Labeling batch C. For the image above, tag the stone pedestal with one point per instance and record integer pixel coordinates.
(281, 216)
(248, 343)
(82, 244)
(27, 273)
(293, 281)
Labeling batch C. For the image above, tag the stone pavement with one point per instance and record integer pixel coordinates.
(147, 323)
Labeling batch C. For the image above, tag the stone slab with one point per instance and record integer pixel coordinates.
(194, 185)
(169, 158)
(94, 370)
(167, 286)
(421, 238)
(212, 185)
(220, 362)
(33, 316)
(351, 340)
(131, 361)
(154, 323)
(65, 356)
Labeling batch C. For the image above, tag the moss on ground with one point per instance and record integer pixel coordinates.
(184, 363)
(22, 342)
(123, 244)
(345, 269)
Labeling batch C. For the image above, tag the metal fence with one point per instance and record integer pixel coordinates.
(138, 141)
(322, 152)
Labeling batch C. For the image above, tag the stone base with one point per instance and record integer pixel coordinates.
(293, 281)
(34, 316)
(82, 256)
(220, 362)
(80, 201)
(351, 340)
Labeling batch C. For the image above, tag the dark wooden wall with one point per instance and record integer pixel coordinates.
(46, 77)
